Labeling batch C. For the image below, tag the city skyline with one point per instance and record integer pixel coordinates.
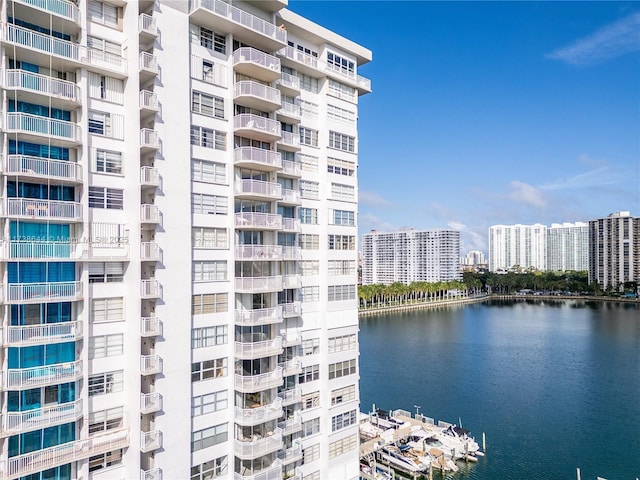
(498, 124)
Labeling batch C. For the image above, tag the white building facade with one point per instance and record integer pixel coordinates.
(568, 247)
(524, 246)
(411, 256)
(179, 248)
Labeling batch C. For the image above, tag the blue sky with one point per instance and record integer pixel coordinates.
(493, 113)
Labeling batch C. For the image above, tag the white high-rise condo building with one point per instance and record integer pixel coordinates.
(524, 246)
(179, 259)
(410, 255)
(473, 257)
(614, 250)
(568, 247)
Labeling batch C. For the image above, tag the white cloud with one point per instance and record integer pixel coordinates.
(593, 178)
(456, 225)
(372, 199)
(610, 41)
(521, 192)
(368, 221)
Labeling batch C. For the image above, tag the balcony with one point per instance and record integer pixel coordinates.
(40, 129)
(272, 472)
(43, 169)
(291, 253)
(291, 169)
(19, 422)
(258, 446)
(26, 378)
(258, 221)
(259, 316)
(293, 309)
(361, 83)
(53, 49)
(107, 62)
(150, 364)
(153, 474)
(258, 190)
(291, 367)
(258, 284)
(149, 177)
(289, 112)
(304, 63)
(290, 455)
(47, 458)
(290, 197)
(289, 84)
(150, 288)
(256, 127)
(43, 292)
(291, 338)
(290, 426)
(364, 84)
(150, 402)
(253, 157)
(291, 281)
(148, 66)
(147, 27)
(252, 347)
(256, 95)
(289, 140)
(259, 382)
(65, 15)
(150, 213)
(150, 441)
(225, 18)
(291, 396)
(291, 225)
(24, 335)
(43, 86)
(32, 208)
(150, 252)
(39, 251)
(253, 416)
(258, 252)
(149, 139)
(149, 102)
(150, 327)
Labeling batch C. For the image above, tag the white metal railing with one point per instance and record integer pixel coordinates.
(363, 82)
(44, 43)
(290, 367)
(255, 89)
(252, 350)
(36, 82)
(150, 288)
(290, 110)
(149, 138)
(298, 56)
(338, 70)
(149, 99)
(150, 364)
(260, 316)
(272, 472)
(290, 196)
(290, 455)
(50, 127)
(293, 309)
(153, 474)
(256, 122)
(147, 24)
(291, 281)
(149, 62)
(259, 284)
(290, 396)
(150, 251)
(291, 224)
(255, 383)
(291, 168)
(17, 422)
(150, 326)
(61, 8)
(258, 219)
(43, 167)
(43, 292)
(259, 252)
(289, 138)
(33, 377)
(150, 402)
(259, 187)
(43, 333)
(290, 339)
(44, 250)
(258, 155)
(67, 452)
(241, 17)
(290, 81)
(149, 213)
(256, 447)
(291, 253)
(291, 425)
(109, 60)
(150, 440)
(261, 414)
(35, 208)
(149, 176)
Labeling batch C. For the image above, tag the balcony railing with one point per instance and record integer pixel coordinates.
(150, 213)
(44, 292)
(150, 402)
(298, 56)
(23, 378)
(258, 284)
(46, 44)
(291, 281)
(258, 156)
(291, 139)
(291, 253)
(110, 61)
(292, 168)
(259, 349)
(27, 123)
(363, 83)
(36, 167)
(18, 336)
(256, 383)
(290, 455)
(60, 8)
(290, 196)
(147, 24)
(291, 338)
(149, 138)
(290, 426)
(16, 250)
(153, 474)
(254, 89)
(150, 288)
(260, 316)
(290, 110)
(43, 209)
(293, 309)
(150, 441)
(149, 176)
(259, 188)
(291, 224)
(256, 415)
(18, 422)
(259, 220)
(259, 252)
(291, 367)
(150, 326)
(38, 460)
(289, 81)
(150, 364)
(149, 63)
(22, 79)
(150, 251)
(149, 100)
(290, 396)
(257, 123)
(272, 472)
(256, 447)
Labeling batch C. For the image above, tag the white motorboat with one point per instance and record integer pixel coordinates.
(401, 458)
(459, 441)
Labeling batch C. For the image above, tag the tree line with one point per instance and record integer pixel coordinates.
(397, 294)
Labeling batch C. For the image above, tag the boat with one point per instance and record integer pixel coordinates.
(459, 441)
(400, 457)
(375, 472)
(426, 446)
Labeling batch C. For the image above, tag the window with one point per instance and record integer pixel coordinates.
(310, 190)
(340, 90)
(310, 400)
(309, 267)
(209, 336)
(107, 309)
(100, 12)
(341, 114)
(103, 383)
(208, 369)
(208, 172)
(309, 215)
(106, 88)
(214, 238)
(105, 460)
(345, 445)
(209, 271)
(213, 41)
(343, 395)
(104, 420)
(107, 161)
(109, 198)
(308, 136)
(211, 469)
(341, 292)
(343, 420)
(106, 124)
(342, 141)
(208, 403)
(308, 109)
(309, 374)
(342, 267)
(209, 437)
(312, 476)
(308, 163)
(342, 343)
(341, 167)
(208, 105)
(342, 242)
(209, 303)
(311, 346)
(310, 427)
(342, 217)
(208, 204)
(341, 64)
(308, 83)
(340, 191)
(106, 345)
(101, 49)
(311, 454)
(310, 294)
(308, 241)
(208, 138)
(106, 272)
(341, 369)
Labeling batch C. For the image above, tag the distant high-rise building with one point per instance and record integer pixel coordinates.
(410, 255)
(614, 250)
(568, 247)
(473, 258)
(517, 245)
